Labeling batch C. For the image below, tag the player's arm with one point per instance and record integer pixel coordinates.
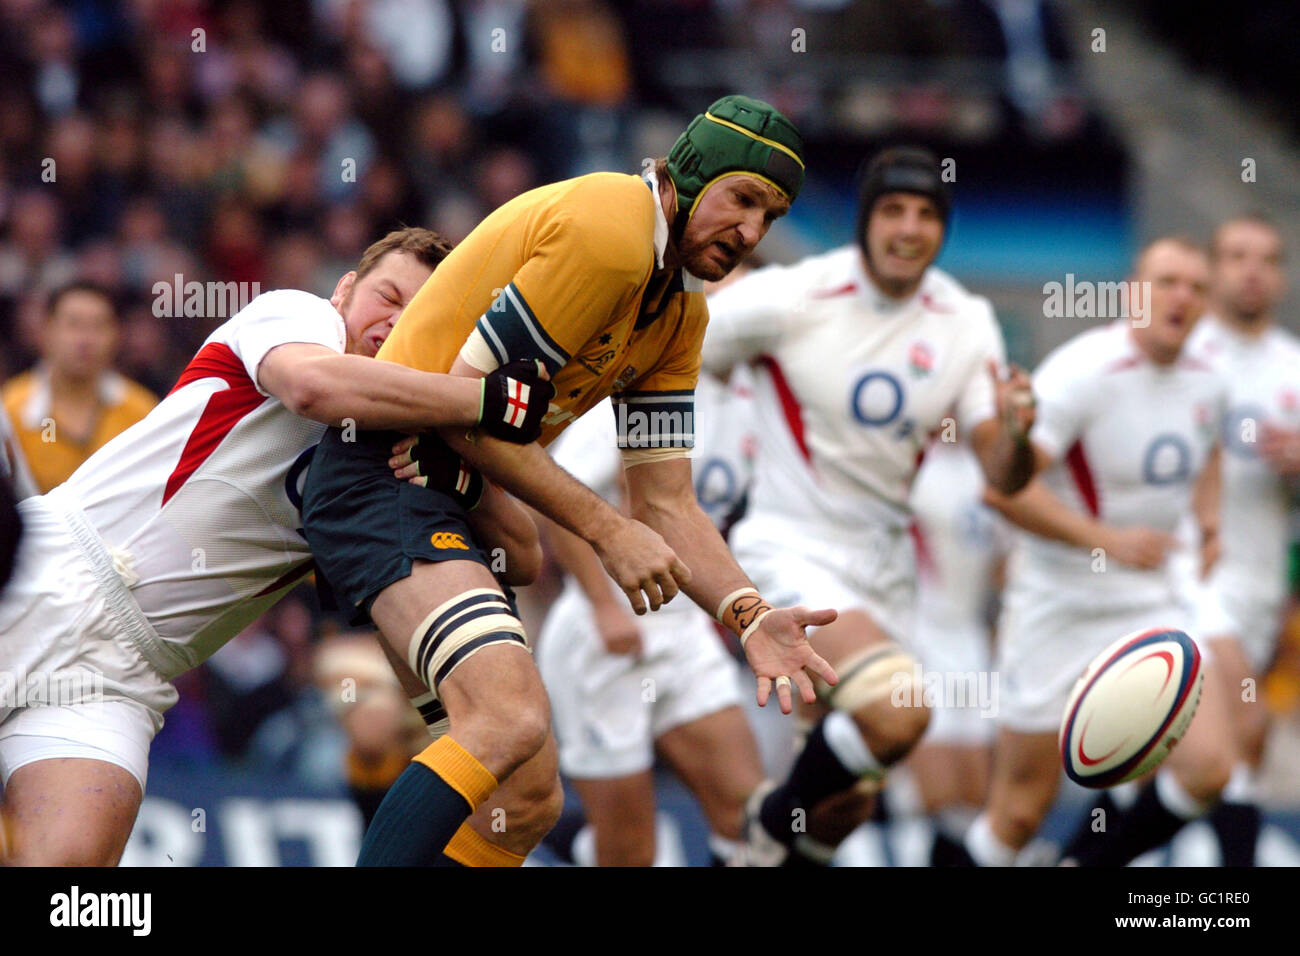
(1039, 511)
(1206, 498)
(661, 496)
(1002, 442)
(501, 525)
(633, 555)
(318, 383)
(617, 628)
(747, 317)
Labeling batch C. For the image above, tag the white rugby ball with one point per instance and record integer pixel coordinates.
(1130, 707)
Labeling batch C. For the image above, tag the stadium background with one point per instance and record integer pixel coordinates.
(270, 142)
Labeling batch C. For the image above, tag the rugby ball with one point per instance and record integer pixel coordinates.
(1130, 707)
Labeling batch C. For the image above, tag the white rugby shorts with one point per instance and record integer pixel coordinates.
(958, 659)
(1044, 646)
(79, 669)
(873, 570)
(608, 709)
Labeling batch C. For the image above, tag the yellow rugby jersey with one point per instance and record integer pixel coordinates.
(570, 274)
(53, 455)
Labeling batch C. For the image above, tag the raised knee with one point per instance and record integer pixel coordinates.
(523, 732)
(891, 732)
(1205, 779)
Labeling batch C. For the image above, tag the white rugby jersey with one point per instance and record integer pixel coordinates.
(12, 463)
(721, 460)
(959, 539)
(200, 499)
(1262, 376)
(850, 385)
(1128, 439)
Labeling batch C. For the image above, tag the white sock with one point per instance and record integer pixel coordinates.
(845, 740)
(1241, 786)
(902, 796)
(1175, 799)
(984, 846)
(1125, 795)
(721, 847)
(814, 850)
(954, 822)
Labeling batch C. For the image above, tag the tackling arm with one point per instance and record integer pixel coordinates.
(318, 383)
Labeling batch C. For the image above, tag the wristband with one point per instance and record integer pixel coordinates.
(741, 612)
(482, 401)
(753, 626)
(726, 602)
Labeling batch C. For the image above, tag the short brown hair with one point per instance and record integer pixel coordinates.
(427, 246)
(1181, 240)
(80, 286)
(1252, 217)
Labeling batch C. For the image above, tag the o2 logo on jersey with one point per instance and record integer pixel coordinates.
(296, 479)
(1241, 429)
(877, 399)
(1168, 460)
(716, 488)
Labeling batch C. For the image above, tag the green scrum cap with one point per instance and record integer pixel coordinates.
(737, 134)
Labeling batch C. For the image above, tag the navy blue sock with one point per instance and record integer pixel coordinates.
(413, 824)
(816, 775)
(1142, 827)
(1237, 827)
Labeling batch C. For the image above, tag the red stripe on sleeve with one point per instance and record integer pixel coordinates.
(789, 404)
(1077, 462)
(222, 412)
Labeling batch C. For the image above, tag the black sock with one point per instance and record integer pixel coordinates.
(1237, 827)
(817, 774)
(1130, 833)
(416, 819)
(1084, 833)
(945, 851)
(561, 836)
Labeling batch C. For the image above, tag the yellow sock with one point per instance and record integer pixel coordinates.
(469, 848)
(460, 769)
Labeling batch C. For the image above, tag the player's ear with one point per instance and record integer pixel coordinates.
(342, 289)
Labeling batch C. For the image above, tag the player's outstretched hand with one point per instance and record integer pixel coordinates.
(1015, 398)
(779, 648)
(516, 397)
(639, 560)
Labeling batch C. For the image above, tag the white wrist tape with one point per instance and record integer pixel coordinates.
(753, 626)
(726, 601)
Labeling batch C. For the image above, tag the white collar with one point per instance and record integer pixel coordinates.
(690, 283)
(39, 405)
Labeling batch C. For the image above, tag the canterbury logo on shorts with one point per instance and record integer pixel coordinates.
(448, 539)
(516, 403)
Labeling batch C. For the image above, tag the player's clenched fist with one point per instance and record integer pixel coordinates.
(1015, 399)
(515, 399)
(639, 560)
(779, 653)
(427, 460)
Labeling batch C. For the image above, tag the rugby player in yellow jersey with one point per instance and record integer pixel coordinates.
(599, 279)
